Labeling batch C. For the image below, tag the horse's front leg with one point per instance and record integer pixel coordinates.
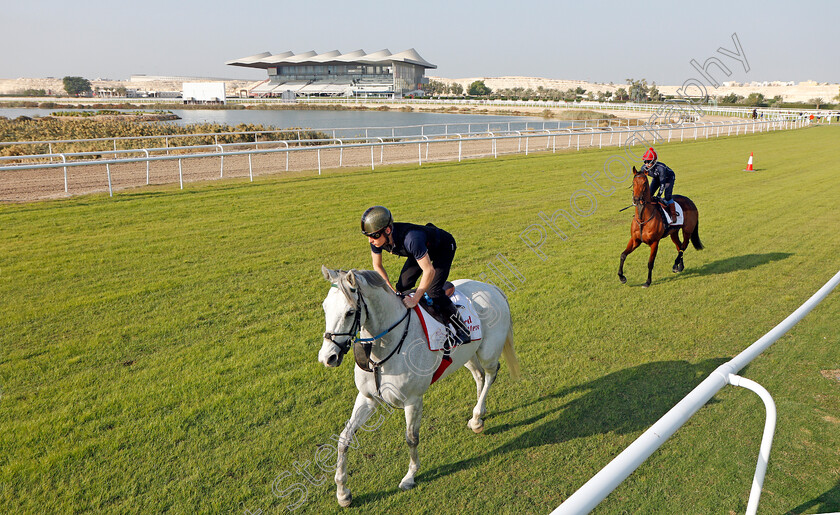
(631, 246)
(413, 414)
(362, 410)
(653, 248)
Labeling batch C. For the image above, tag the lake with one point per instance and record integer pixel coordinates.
(384, 121)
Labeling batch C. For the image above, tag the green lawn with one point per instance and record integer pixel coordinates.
(158, 350)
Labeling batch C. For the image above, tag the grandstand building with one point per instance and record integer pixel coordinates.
(356, 74)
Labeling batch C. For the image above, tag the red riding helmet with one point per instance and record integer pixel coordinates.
(650, 155)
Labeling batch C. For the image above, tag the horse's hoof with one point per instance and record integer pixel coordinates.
(681, 267)
(622, 278)
(645, 285)
(344, 502)
(407, 485)
(476, 427)
(675, 269)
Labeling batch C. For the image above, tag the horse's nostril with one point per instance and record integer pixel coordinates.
(331, 361)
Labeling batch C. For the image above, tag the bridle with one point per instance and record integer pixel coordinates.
(640, 201)
(353, 337)
(354, 329)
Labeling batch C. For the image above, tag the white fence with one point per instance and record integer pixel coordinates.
(599, 486)
(708, 108)
(32, 178)
(400, 131)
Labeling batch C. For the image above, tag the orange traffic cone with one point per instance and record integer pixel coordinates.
(749, 164)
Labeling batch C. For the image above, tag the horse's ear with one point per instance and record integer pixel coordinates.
(351, 279)
(329, 275)
(635, 172)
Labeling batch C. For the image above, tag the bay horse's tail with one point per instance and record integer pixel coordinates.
(695, 237)
(688, 205)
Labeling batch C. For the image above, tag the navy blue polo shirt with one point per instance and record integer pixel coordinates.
(410, 240)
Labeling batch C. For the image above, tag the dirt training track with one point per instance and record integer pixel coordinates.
(49, 183)
(42, 184)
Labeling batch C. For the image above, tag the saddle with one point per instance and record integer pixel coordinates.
(665, 211)
(431, 309)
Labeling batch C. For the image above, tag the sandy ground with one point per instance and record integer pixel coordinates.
(799, 92)
(32, 185)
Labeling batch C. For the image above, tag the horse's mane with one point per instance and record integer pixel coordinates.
(372, 278)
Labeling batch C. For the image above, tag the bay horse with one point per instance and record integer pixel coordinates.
(649, 224)
(399, 366)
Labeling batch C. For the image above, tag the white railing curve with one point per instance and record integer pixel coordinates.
(601, 484)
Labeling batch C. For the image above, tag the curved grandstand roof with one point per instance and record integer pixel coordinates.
(268, 60)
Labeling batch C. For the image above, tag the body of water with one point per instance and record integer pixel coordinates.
(327, 119)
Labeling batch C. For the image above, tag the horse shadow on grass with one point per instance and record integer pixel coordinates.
(730, 264)
(828, 502)
(626, 401)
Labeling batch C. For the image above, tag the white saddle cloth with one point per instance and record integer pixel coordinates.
(680, 216)
(436, 333)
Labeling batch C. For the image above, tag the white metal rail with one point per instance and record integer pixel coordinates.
(334, 132)
(568, 138)
(601, 484)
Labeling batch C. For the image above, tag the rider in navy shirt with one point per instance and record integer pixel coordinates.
(662, 178)
(428, 251)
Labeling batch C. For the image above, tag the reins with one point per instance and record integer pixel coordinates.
(362, 346)
(639, 219)
(641, 201)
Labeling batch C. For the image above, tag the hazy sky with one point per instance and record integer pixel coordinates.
(599, 41)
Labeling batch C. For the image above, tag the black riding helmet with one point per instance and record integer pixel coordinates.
(375, 220)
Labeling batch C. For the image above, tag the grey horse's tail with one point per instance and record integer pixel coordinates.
(508, 351)
(510, 356)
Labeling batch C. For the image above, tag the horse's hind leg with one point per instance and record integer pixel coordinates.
(476, 423)
(477, 372)
(413, 414)
(678, 263)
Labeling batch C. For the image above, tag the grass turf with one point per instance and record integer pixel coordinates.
(158, 349)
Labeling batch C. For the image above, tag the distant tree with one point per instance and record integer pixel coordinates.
(777, 101)
(478, 89)
(754, 99)
(817, 102)
(456, 89)
(837, 97)
(731, 98)
(33, 93)
(75, 86)
(121, 91)
(435, 87)
(638, 90)
(621, 94)
(569, 95)
(654, 93)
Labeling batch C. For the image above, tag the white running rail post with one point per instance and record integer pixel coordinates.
(766, 438)
(601, 484)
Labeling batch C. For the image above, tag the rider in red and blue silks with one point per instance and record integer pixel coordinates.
(429, 251)
(662, 179)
